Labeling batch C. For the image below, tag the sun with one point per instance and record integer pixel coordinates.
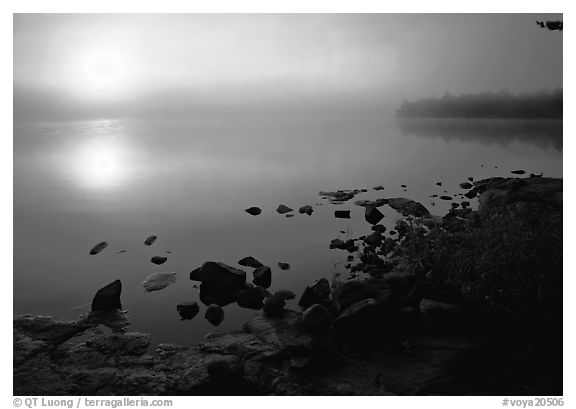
(104, 68)
(100, 74)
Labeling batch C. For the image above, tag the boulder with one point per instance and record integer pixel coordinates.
(108, 297)
(439, 316)
(379, 228)
(254, 211)
(379, 187)
(359, 321)
(373, 239)
(408, 207)
(214, 314)
(306, 210)
(284, 266)
(250, 262)
(188, 310)
(350, 292)
(98, 248)
(518, 172)
(342, 214)
(226, 370)
(217, 294)
(195, 274)
(251, 297)
(220, 274)
(372, 215)
(282, 209)
(316, 318)
(466, 185)
(263, 277)
(150, 240)
(317, 293)
(274, 306)
(158, 260)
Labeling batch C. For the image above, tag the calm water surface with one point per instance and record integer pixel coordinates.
(188, 182)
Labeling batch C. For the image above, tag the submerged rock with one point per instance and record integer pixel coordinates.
(263, 277)
(150, 240)
(342, 214)
(108, 297)
(317, 293)
(254, 211)
(284, 266)
(306, 209)
(408, 207)
(250, 262)
(159, 281)
(372, 215)
(158, 260)
(98, 248)
(214, 315)
(282, 209)
(188, 310)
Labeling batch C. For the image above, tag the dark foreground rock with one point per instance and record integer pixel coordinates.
(214, 315)
(108, 298)
(250, 262)
(188, 310)
(254, 211)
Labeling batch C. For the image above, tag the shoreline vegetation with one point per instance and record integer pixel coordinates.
(497, 105)
(466, 303)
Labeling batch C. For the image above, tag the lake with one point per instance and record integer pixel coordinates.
(189, 181)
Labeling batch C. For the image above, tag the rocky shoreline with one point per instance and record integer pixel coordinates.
(421, 320)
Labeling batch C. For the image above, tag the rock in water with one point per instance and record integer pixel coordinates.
(158, 281)
(286, 294)
(158, 260)
(518, 172)
(108, 298)
(445, 198)
(317, 318)
(150, 240)
(317, 293)
(283, 209)
(250, 262)
(306, 209)
(214, 315)
(252, 297)
(466, 185)
(408, 207)
(263, 277)
(284, 266)
(254, 211)
(274, 306)
(188, 310)
(222, 275)
(195, 274)
(342, 214)
(98, 248)
(373, 215)
(379, 187)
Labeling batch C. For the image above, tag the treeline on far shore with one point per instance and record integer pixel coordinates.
(502, 104)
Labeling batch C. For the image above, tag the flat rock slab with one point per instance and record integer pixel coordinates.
(159, 281)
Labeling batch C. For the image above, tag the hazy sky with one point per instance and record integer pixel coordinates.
(104, 59)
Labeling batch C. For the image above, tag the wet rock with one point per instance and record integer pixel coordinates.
(158, 260)
(286, 294)
(373, 239)
(316, 318)
(214, 315)
(108, 297)
(284, 266)
(445, 198)
(466, 185)
(380, 187)
(159, 281)
(274, 306)
(254, 211)
(252, 298)
(195, 274)
(150, 240)
(263, 277)
(226, 370)
(188, 310)
(408, 207)
(372, 215)
(282, 209)
(518, 172)
(379, 228)
(250, 262)
(317, 293)
(98, 248)
(220, 274)
(438, 316)
(342, 214)
(306, 210)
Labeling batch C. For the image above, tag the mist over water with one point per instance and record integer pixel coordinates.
(189, 181)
